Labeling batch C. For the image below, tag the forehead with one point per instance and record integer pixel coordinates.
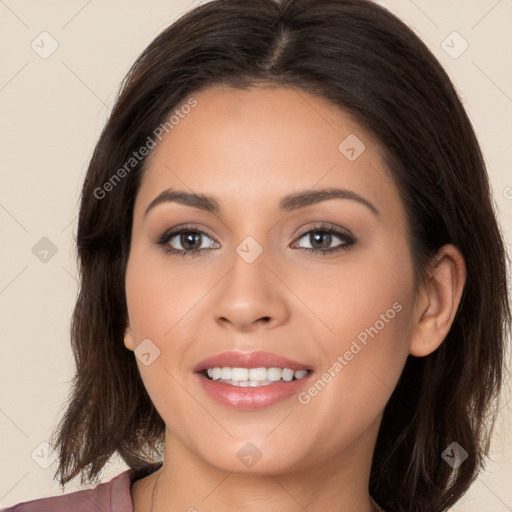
(261, 143)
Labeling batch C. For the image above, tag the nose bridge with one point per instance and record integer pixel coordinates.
(251, 292)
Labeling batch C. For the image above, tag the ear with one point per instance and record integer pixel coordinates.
(129, 341)
(437, 302)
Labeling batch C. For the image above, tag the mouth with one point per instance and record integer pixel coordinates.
(251, 380)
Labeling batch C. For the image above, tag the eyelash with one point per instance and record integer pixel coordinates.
(164, 239)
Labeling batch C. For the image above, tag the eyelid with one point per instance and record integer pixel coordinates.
(327, 226)
(176, 230)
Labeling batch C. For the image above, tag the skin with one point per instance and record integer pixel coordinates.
(248, 149)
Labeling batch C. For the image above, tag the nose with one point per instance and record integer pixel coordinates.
(252, 295)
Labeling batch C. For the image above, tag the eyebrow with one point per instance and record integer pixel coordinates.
(288, 203)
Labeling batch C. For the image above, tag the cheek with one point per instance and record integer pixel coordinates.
(352, 390)
(365, 361)
(161, 300)
(362, 294)
(155, 304)
(160, 294)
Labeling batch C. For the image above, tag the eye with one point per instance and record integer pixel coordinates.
(193, 240)
(188, 237)
(321, 237)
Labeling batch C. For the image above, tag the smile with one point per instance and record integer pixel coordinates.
(253, 377)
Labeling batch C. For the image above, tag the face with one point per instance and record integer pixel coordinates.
(326, 282)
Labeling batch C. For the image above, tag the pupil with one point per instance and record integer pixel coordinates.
(189, 237)
(320, 234)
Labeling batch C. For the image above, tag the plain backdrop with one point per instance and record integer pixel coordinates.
(61, 65)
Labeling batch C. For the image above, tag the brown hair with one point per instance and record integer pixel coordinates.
(367, 62)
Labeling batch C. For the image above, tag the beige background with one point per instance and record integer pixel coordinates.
(53, 110)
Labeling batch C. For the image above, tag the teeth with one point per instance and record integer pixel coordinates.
(288, 374)
(258, 374)
(237, 374)
(253, 377)
(274, 374)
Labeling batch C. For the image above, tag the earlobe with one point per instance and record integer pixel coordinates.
(128, 339)
(438, 301)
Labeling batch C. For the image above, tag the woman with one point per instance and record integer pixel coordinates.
(293, 284)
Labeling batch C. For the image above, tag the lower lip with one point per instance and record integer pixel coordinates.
(251, 398)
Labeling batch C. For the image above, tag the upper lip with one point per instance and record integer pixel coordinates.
(257, 359)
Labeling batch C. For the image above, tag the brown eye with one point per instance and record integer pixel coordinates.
(321, 238)
(185, 241)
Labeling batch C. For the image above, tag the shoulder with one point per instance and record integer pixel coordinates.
(111, 496)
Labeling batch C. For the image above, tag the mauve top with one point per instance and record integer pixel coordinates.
(111, 496)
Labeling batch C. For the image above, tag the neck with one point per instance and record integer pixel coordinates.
(338, 484)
